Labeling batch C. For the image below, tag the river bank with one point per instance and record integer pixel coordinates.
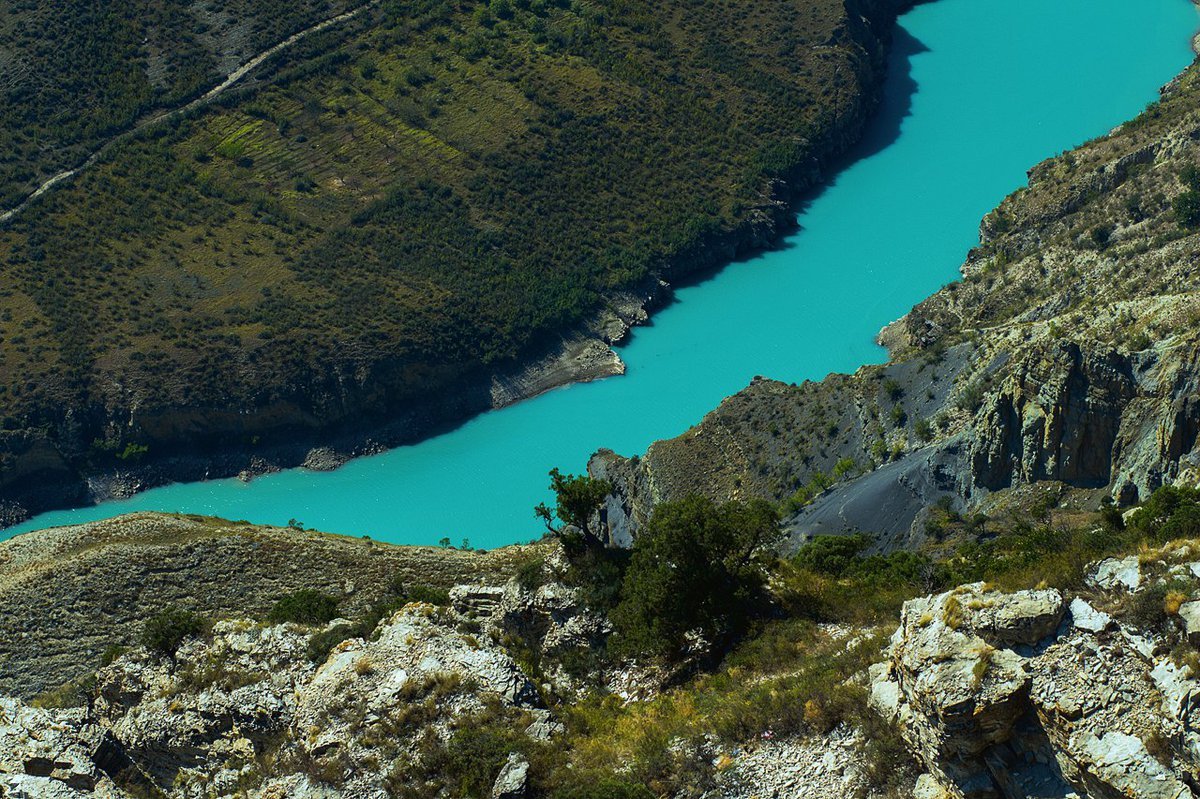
(41, 476)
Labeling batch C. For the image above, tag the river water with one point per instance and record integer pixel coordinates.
(977, 92)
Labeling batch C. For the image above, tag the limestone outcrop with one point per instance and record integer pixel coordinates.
(245, 709)
(1012, 695)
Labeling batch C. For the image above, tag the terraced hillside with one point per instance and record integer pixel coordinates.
(75, 73)
(394, 212)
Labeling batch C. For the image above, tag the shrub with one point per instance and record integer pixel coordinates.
(1187, 205)
(306, 606)
(1169, 513)
(77, 693)
(577, 497)
(832, 555)
(1152, 607)
(320, 644)
(133, 452)
(475, 755)
(531, 573)
(1187, 210)
(165, 632)
(418, 593)
(695, 569)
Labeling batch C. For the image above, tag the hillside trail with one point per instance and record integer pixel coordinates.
(230, 80)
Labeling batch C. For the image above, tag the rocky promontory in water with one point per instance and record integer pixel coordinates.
(417, 214)
(1062, 367)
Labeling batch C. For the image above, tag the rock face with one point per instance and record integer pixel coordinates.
(1026, 694)
(57, 754)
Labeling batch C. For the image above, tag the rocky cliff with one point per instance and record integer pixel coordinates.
(1065, 356)
(1041, 693)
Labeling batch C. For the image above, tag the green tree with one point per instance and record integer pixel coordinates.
(697, 568)
(1171, 512)
(1187, 209)
(576, 499)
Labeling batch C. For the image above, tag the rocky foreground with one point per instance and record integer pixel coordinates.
(1087, 692)
(72, 593)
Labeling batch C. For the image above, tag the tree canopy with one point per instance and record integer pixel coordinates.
(696, 570)
(577, 497)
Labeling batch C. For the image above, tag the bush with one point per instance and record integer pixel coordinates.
(164, 632)
(306, 606)
(419, 593)
(696, 569)
(1152, 608)
(531, 574)
(322, 643)
(832, 555)
(1187, 205)
(475, 755)
(1169, 513)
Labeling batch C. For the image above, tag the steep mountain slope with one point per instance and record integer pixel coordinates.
(399, 213)
(74, 73)
(1066, 356)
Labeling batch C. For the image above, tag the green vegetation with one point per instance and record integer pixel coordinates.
(166, 631)
(77, 72)
(397, 596)
(428, 191)
(306, 606)
(788, 676)
(576, 499)
(1187, 205)
(76, 693)
(696, 570)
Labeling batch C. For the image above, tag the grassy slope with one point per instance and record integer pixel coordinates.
(420, 194)
(113, 575)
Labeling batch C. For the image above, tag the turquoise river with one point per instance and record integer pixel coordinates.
(978, 91)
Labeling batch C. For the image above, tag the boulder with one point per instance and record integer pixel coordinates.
(1116, 573)
(1189, 612)
(1117, 764)
(991, 716)
(1086, 617)
(512, 781)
